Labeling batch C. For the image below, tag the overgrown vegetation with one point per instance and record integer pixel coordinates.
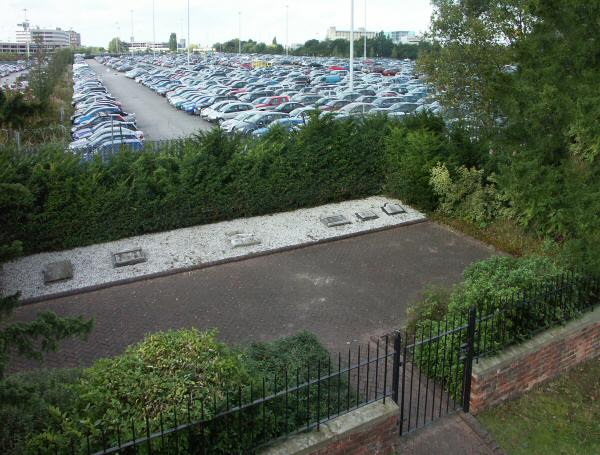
(41, 113)
(182, 373)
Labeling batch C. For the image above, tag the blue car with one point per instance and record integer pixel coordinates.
(287, 123)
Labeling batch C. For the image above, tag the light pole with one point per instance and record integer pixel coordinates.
(153, 32)
(131, 37)
(239, 32)
(351, 45)
(25, 25)
(118, 37)
(365, 37)
(286, 29)
(188, 36)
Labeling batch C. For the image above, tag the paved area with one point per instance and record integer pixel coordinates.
(6, 80)
(197, 245)
(155, 116)
(453, 434)
(344, 291)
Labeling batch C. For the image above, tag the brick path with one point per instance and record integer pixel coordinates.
(344, 291)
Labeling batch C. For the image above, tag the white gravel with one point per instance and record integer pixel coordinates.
(195, 246)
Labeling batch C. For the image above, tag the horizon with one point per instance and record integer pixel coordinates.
(99, 22)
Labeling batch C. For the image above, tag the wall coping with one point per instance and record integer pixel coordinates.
(360, 419)
(510, 355)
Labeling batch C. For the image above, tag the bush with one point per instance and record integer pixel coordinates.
(466, 196)
(170, 378)
(24, 402)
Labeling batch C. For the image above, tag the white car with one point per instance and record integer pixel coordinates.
(229, 111)
(229, 125)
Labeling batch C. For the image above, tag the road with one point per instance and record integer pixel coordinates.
(155, 116)
(11, 77)
(344, 291)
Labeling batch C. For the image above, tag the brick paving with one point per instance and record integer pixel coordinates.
(344, 291)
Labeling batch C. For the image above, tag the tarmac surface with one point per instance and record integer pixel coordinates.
(155, 116)
(344, 291)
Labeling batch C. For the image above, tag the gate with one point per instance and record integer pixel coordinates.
(431, 375)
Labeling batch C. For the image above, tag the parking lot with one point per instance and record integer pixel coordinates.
(155, 117)
(344, 291)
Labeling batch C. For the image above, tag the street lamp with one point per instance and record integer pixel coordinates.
(286, 29)
(131, 37)
(351, 45)
(188, 35)
(153, 32)
(365, 37)
(25, 25)
(239, 32)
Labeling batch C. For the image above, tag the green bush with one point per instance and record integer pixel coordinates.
(466, 196)
(24, 402)
(495, 286)
(167, 379)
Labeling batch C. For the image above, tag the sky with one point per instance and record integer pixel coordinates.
(210, 20)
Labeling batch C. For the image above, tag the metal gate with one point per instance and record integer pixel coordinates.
(432, 371)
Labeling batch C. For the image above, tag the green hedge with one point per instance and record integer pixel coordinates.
(52, 200)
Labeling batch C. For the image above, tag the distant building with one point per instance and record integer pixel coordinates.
(400, 36)
(182, 43)
(49, 38)
(145, 47)
(74, 38)
(333, 33)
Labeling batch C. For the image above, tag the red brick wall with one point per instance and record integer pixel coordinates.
(374, 440)
(548, 358)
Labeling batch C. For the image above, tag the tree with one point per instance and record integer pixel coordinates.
(115, 46)
(173, 42)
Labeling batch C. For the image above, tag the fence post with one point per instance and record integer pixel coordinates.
(396, 366)
(469, 359)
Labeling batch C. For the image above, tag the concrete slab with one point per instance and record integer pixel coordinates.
(57, 271)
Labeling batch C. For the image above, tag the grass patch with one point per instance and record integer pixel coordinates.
(504, 235)
(560, 417)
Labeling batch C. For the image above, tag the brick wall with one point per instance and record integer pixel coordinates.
(544, 357)
(375, 440)
(370, 430)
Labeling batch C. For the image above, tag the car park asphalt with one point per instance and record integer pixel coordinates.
(345, 292)
(155, 116)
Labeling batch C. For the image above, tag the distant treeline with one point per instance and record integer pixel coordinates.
(379, 46)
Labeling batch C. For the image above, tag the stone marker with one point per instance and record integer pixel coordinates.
(58, 271)
(128, 257)
(335, 220)
(239, 240)
(392, 209)
(366, 215)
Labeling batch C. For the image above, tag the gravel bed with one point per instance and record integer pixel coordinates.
(197, 245)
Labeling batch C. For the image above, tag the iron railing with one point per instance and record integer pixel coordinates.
(426, 371)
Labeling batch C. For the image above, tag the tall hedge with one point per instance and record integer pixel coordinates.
(59, 201)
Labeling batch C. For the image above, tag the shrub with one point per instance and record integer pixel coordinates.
(468, 196)
(180, 376)
(25, 399)
(409, 157)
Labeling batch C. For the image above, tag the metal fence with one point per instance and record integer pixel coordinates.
(426, 371)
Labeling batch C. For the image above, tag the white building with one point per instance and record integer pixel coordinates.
(50, 38)
(333, 33)
(400, 36)
(146, 47)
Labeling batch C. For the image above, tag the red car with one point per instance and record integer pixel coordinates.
(272, 102)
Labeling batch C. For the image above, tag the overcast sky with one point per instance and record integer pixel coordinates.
(211, 20)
